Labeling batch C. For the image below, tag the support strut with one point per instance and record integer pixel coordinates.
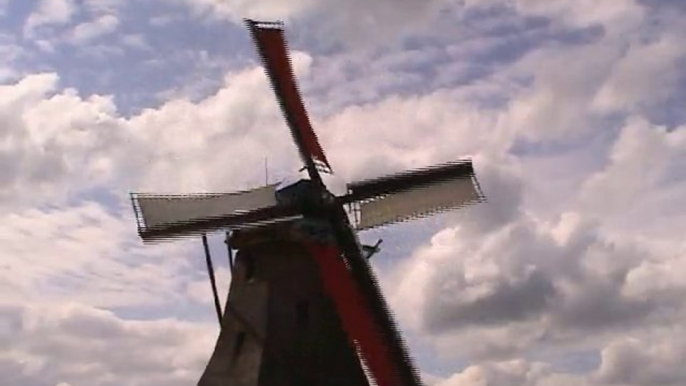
(210, 272)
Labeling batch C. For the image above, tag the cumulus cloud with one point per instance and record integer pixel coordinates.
(10, 54)
(646, 74)
(643, 178)
(647, 359)
(50, 12)
(72, 344)
(100, 7)
(44, 146)
(136, 41)
(508, 373)
(494, 291)
(523, 274)
(652, 359)
(63, 142)
(616, 17)
(86, 32)
(85, 252)
(406, 133)
(558, 104)
(348, 22)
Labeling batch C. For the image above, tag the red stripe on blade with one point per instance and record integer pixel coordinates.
(353, 310)
(272, 46)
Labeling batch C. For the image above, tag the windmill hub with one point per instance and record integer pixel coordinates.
(306, 196)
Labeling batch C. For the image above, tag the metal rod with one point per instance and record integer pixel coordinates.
(210, 271)
(266, 171)
(230, 250)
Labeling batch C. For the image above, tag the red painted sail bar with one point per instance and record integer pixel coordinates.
(270, 41)
(353, 309)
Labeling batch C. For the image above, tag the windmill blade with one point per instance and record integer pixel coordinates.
(357, 316)
(169, 216)
(402, 368)
(414, 194)
(250, 219)
(396, 197)
(271, 44)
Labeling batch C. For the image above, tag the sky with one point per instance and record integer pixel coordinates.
(572, 111)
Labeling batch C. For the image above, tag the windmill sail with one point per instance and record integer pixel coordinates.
(271, 44)
(166, 216)
(413, 194)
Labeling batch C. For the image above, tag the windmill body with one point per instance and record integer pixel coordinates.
(304, 307)
(280, 327)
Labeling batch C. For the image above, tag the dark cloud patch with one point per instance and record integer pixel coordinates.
(590, 298)
(670, 112)
(600, 306)
(507, 302)
(518, 283)
(665, 5)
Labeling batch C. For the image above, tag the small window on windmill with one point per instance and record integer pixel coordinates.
(238, 346)
(249, 268)
(302, 314)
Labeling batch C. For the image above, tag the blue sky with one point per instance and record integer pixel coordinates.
(573, 112)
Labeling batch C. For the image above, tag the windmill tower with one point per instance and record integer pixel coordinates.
(304, 307)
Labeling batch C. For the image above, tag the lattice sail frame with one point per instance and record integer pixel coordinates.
(177, 213)
(411, 195)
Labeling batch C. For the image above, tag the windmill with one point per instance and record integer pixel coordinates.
(304, 307)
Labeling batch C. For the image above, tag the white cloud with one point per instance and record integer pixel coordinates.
(616, 16)
(87, 32)
(162, 20)
(347, 22)
(264, 9)
(43, 146)
(50, 12)
(640, 189)
(391, 135)
(86, 253)
(646, 74)
(496, 291)
(511, 373)
(99, 7)
(651, 359)
(3, 7)
(565, 81)
(136, 41)
(65, 143)
(201, 291)
(10, 54)
(73, 344)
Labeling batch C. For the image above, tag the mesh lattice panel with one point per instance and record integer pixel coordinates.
(159, 211)
(418, 202)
